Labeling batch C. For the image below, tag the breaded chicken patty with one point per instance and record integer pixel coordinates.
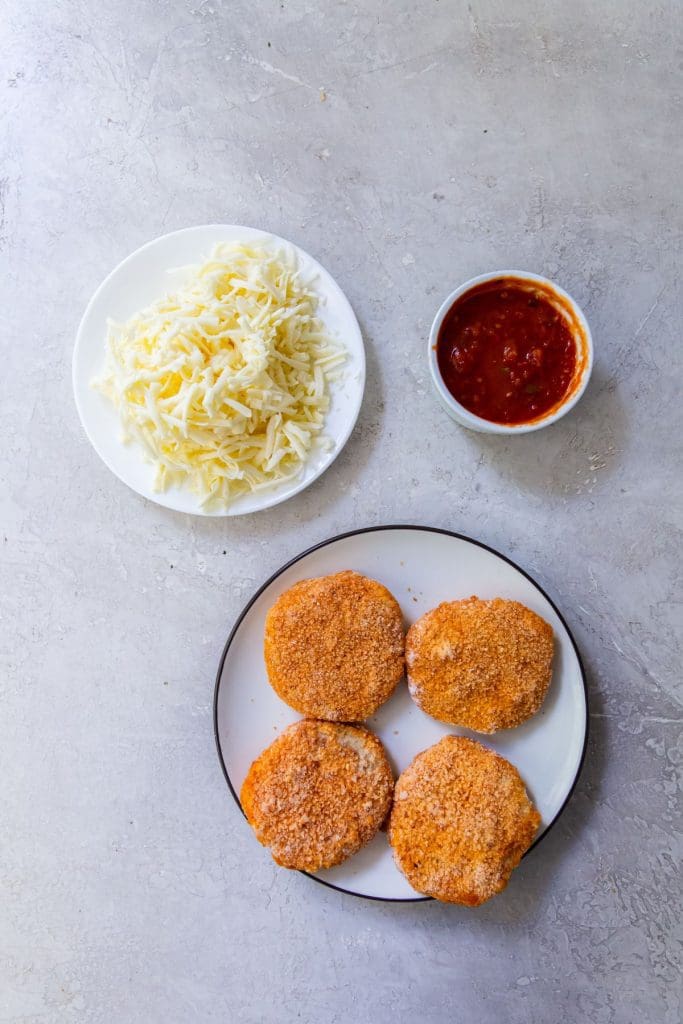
(318, 793)
(461, 821)
(334, 646)
(485, 665)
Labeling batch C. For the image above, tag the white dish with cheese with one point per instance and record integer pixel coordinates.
(224, 386)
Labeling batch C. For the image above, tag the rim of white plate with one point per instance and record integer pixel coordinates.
(91, 333)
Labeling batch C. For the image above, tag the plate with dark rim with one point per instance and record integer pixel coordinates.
(421, 566)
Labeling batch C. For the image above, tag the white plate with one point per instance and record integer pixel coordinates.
(421, 567)
(143, 278)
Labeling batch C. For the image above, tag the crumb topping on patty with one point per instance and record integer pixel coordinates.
(334, 646)
(485, 665)
(318, 793)
(461, 821)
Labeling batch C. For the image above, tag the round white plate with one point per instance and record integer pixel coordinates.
(421, 567)
(143, 278)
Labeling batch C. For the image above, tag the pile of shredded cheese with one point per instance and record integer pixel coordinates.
(225, 382)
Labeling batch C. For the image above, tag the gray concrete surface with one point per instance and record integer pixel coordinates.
(449, 139)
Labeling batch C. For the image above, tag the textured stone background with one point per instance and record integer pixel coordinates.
(450, 139)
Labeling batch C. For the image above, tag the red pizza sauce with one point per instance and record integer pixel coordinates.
(506, 351)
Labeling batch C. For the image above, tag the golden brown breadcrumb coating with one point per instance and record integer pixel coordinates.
(318, 793)
(334, 646)
(461, 821)
(485, 665)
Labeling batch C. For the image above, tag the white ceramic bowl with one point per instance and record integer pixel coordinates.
(584, 344)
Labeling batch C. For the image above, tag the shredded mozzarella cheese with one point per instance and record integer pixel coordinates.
(224, 384)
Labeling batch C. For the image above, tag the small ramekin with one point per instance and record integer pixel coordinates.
(584, 347)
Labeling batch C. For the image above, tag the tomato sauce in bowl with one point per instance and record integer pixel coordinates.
(509, 350)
